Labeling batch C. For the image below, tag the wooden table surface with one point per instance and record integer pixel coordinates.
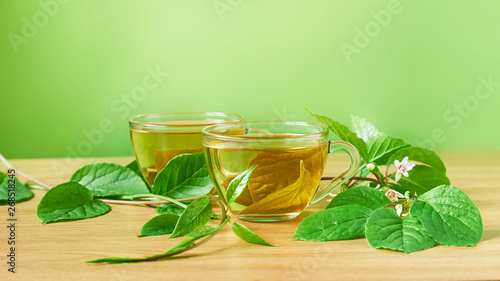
(58, 251)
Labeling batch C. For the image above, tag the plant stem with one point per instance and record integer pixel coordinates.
(127, 202)
(355, 178)
(35, 186)
(148, 202)
(379, 180)
(387, 176)
(132, 197)
(23, 174)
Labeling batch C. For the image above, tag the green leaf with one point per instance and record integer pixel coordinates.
(135, 167)
(363, 128)
(421, 155)
(170, 209)
(381, 147)
(198, 213)
(184, 176)
(339, 223)
(238, 184)
(360, 196)
(201, 231)
(159, 225)
(249, 236)
(22, 193)
(343, 132)
(422, 179)
(385, 229)
(109, 179)
(450, 216)
(69, 201)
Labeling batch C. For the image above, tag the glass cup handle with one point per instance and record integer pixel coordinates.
(345, 175)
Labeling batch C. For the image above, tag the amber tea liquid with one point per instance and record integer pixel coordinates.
(280, 187)
(154, 149)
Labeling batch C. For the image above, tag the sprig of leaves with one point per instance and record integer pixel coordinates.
(185, 177)
(442, 214)
(192, 223)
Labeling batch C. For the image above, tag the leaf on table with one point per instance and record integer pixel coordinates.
(186, 243)
(109, 179)
(343, 132)
(249, 236)
(360, 196)
(183, 245)
(421, 179)
(159, 225)
(450, 216)
(185, 176)
(381, 147)
(339, 223)
(198, 213)
(294, 196)
(163, 156)
(421, 155)
(385, 229)
(69, 201)
(364, 129)
(22, 192)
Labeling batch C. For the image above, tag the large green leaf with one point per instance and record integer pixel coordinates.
(382, 146)
(109, 179)
(385, 229)
(249, 236)
(69, 201)
(363, 128)
(360, 196)
(421, 155)
(184, 176)
(159, 225)
(20, 193)
(450, 216)
(339, 223)
(422, 179)
(198, 213)
(343, 133)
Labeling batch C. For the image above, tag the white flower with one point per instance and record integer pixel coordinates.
(370, 167)
(394, 195)
(403, 167)
(399, 209)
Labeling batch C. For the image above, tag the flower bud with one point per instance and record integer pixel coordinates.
(370, 167)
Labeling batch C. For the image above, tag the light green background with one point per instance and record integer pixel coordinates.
(68, 67)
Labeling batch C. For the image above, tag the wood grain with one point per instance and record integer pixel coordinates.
(59, 251)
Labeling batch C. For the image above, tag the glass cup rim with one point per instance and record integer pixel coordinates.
(133, 122)
(205, 132)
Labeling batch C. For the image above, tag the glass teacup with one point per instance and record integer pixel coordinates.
(290, 159)
(159, 137)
